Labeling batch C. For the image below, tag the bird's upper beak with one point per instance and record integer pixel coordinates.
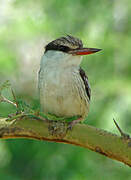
(84, 51)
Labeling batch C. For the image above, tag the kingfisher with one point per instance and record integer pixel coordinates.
(64, 88)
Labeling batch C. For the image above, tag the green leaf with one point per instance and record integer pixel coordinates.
(5, 85)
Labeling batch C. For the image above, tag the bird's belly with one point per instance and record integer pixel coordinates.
(63, 105)
(60, 96)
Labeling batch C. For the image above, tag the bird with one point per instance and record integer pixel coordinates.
(63, 85)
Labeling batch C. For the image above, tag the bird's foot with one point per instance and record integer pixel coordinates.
(57, 128)
(72, 123)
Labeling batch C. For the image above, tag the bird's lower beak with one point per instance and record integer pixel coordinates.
(84, 51)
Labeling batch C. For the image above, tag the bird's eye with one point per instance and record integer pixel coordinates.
(64, 48)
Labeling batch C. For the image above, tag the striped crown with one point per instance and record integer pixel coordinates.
(64, 44)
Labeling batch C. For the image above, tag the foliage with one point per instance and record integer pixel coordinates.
(25, 27)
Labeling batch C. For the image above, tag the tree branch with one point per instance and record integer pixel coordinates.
(103, 142)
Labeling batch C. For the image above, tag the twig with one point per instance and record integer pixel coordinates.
(14, 98)
(4, 99)
(124, 135)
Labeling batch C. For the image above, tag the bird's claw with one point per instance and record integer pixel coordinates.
(57, 128)
(73, 123)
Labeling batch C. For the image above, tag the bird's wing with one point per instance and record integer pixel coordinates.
(86, 83)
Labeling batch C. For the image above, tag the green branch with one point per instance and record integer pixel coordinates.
(27, 123)
(103, 142)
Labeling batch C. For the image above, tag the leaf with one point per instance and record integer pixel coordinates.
(23, 106)
(6, 84)
(56, 118)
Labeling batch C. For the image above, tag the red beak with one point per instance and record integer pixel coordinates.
(84, 51)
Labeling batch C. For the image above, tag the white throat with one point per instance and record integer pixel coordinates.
(59, 59)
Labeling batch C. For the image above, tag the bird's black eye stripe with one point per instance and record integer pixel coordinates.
(63, 48)
(57, 48)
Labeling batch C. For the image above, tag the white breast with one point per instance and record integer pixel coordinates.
(62, 91)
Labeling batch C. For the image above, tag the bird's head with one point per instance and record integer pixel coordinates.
(70, 46)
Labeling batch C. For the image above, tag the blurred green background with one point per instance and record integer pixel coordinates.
(25, 28)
